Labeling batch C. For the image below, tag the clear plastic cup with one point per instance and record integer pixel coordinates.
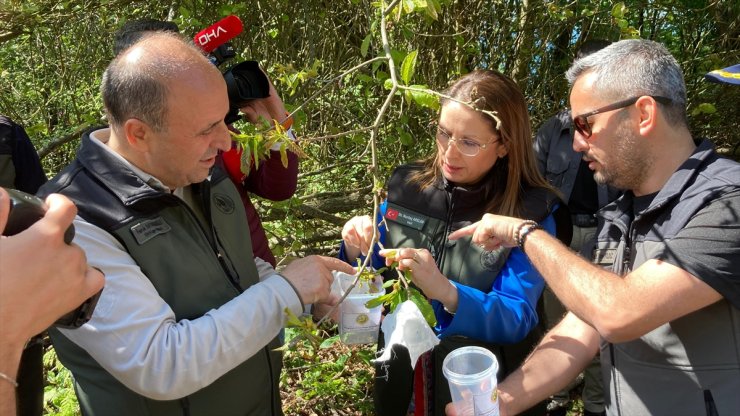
(471, 375)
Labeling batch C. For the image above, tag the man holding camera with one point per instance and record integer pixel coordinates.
(189, 319)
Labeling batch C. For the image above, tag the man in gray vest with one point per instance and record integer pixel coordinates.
(666, 312)
(188, 320)
(565, 169)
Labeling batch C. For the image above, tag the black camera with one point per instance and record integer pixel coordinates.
(26, 209)
(245, 81)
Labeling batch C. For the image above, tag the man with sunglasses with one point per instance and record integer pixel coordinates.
(565, 169)
(662, 300)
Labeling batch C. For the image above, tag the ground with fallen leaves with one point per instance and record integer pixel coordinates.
(336, 380)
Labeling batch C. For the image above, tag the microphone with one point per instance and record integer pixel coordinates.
(210, 38)
(244, 81)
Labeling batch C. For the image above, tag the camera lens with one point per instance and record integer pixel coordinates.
(245, 81)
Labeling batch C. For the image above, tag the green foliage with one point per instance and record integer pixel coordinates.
(59, 396)
(53, 55)
(256, 141)
(408, 67)
(401, 291)
(340, 378)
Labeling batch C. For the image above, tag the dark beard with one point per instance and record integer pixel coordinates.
(628, 165)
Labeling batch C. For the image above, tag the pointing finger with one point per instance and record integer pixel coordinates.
(332, 263)
(462, 232)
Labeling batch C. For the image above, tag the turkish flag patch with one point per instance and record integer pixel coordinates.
(391, 214)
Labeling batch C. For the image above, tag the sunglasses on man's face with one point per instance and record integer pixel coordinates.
(582, 126)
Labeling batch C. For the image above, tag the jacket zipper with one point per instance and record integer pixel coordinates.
(616, 400)
(216, 247)
(230, 271)
(624, 268)
(447, 226)
(205, 195)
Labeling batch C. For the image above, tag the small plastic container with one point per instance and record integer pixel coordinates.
(357, 323)
(471, 375)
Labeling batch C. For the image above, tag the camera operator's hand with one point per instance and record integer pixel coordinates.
(268, 108)
(41, 276)
(311, 277)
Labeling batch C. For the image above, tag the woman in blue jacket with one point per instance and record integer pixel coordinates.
(484, 163)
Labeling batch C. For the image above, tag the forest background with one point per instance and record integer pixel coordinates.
(360, 77)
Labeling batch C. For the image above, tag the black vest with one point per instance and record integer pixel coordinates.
(424, 219)
(689, 366)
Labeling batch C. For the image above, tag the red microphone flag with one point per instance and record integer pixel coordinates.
(218, 33)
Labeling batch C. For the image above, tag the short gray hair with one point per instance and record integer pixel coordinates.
(636, 67)
(136, 87)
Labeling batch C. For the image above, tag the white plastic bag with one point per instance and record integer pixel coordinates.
(406, 326)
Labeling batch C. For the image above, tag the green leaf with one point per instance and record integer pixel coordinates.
(329, 342)
(408, 67)
(433, 9)
(393, 304)
(409, 6)
(424, 99)
(388, 84)
(365, 45)
(623, 24)
(387, 298)
(284, 154)
(292, 320)
(398, 56)
(421, 302)
(256, 153)
(704, 108)
(406, 138)
(619, 10)
(184, 12)
(707, 108)
(224, 10)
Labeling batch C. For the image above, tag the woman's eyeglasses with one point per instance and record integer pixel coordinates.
(581, 124)
(467, 147)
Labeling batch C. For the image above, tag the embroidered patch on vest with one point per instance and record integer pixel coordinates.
(148, 229)
(604, 257)
(493, 260)
(224, 203)
(405, 217)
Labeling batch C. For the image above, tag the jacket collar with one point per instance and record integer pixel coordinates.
(674, 187)
(113, 172)
(471, 195)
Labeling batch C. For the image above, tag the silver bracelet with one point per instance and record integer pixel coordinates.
(9, 379)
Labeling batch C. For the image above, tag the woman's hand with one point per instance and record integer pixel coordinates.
(425, 274)
(357, 235)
